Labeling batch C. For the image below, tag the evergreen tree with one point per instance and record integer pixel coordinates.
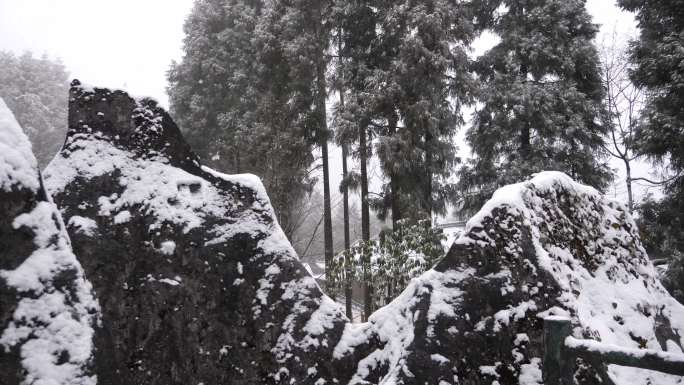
(36, 90)
(658, 60)
(541, 100)
(244, 99)
(211, 90)
(418, 90)
(344, 187)
(303, 29)
(405, 72)
(357, 21)
(397, 257)
(657, 57)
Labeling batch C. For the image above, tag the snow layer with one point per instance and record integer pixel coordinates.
(147, 184)
(49, 322)
(613, 293)
(56, 311)
(393, 325)
(18, 165)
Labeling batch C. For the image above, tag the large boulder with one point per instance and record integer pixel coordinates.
(47, 311)
(198, 284)
(548, 246)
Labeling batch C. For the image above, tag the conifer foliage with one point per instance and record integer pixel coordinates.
(36, 91)
(658, 58)
(407, 71)
(404, 71)
(541, 98)
(243, 97)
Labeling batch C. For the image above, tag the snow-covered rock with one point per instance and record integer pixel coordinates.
(197, 282)
(548, 246)
(47, 311)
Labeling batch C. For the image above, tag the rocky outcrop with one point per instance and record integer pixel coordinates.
(47, 311)
(196, 280)
(548, 246)
(198, 284)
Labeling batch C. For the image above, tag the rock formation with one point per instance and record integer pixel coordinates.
(47, 311)
(198, 284)
(196, 280)
(548, 246)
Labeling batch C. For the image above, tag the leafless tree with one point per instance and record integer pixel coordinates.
(624, 103)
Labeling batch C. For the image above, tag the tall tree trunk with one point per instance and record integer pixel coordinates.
(365, 222)
(525, 149)
(238, 170)
(327, 219)
(345, 201)
(321, 96)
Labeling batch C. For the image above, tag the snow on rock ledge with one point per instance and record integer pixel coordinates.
(47, 311)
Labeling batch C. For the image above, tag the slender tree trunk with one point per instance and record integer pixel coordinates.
(238, 170)
(396, 210)
(428, 175)
(365, 222)
(327, 220)
(394, 182)
(321, 96)
(628, 181)
(525, 127)
(345, 202)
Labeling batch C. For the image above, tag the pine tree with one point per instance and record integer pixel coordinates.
(36, 90)
(541, 100)
(243, 99)
(405, 71)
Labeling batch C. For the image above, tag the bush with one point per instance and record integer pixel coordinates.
(396, 258)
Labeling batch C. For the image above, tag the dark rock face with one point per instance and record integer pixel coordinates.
(196, 280)
(198, 284)
(47, 311)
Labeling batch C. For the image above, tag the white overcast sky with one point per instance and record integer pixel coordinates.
(130, 43)
(117, 43)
